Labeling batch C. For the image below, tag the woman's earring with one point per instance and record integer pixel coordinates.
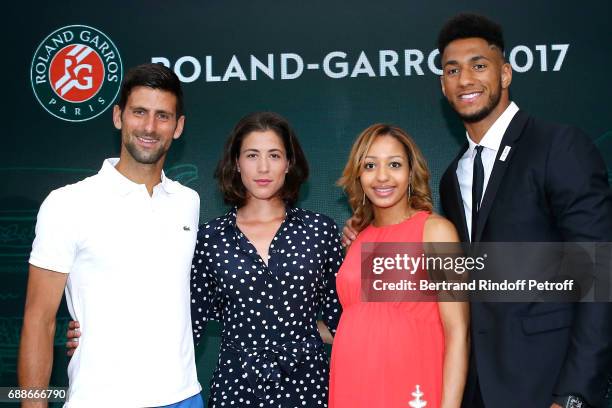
(363, 201)
(409, 187)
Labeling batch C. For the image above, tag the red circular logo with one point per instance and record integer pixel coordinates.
(76, 73)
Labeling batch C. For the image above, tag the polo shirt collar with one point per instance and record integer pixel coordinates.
(169, 186)
(123, 186)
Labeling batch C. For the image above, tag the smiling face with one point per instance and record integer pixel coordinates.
(262, 164)
(385, 174)
(148, 124)
(475, 80)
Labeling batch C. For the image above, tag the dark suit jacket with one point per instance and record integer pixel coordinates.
(553, 186)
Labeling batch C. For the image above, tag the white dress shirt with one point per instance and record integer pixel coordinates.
(490, 142)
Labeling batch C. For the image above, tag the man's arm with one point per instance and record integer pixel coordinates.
(581, 200)
(43, 297)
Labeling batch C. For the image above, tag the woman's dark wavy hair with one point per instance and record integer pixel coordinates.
(230, 183)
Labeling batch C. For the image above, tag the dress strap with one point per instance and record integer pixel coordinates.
(418, 223)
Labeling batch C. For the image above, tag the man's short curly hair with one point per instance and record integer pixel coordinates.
(468, 25)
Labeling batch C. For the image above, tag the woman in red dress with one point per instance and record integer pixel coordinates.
(394, 354)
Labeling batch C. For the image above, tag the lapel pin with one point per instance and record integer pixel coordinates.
(505, 153)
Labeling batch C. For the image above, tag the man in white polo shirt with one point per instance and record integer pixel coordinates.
(121, 244)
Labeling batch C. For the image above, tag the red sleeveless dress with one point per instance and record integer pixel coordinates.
(385, 354)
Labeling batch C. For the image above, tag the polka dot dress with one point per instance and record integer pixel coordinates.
(271, 352)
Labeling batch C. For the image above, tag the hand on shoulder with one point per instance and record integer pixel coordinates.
(439, 229)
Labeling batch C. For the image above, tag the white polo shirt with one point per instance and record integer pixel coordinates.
(128, 256)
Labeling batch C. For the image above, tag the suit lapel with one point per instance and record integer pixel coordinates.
(456, 209)
(513, 133)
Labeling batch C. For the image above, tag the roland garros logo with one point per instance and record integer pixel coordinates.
(76, 73)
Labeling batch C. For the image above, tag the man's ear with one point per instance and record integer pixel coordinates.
(506, 75)
(180, 125)
(442, 85)
(117, 117)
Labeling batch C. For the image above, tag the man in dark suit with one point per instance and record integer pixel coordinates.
(519, 179)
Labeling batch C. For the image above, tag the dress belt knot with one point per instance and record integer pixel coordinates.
(264, 366)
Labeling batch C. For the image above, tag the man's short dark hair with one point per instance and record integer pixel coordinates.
(467, 25)
(155, 76)
(227, 174)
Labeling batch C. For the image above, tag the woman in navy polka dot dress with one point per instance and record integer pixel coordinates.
(266, 270)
